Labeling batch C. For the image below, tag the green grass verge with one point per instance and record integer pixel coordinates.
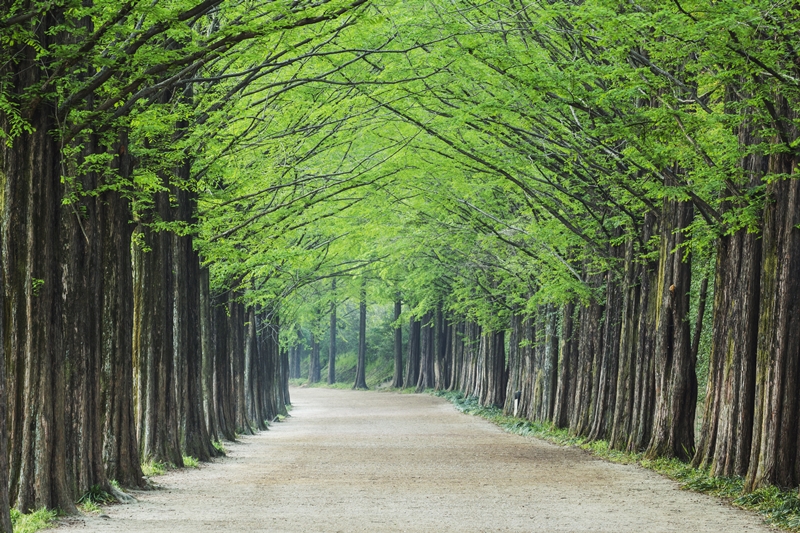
(190, 462)
(778, 507)
(155, 468)
(29, 523)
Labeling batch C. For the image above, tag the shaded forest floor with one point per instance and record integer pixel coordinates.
(364, 461)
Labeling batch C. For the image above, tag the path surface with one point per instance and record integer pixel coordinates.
(381, 462)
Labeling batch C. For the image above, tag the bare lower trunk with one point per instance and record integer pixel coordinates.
(676, 382)
(332, 342)
(427, 353)
(774, 454)
(414, 352)
(397, 379)
(361, 365)
(493, 381)
(37, 400)
(567, 361)
(157, 403)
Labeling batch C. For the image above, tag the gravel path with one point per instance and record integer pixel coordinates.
(350, 461)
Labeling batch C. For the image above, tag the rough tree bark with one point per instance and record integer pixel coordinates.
(607, 365)
(5, 515)
(224, 397)
(31, 210)
(725, 437)
(517, 378)
(644, 391)
(676, 382)
(590, 345)
(157, 404)
(547, 376)
(628, 335)
(187, 347)
(774, 454)
(567, 362)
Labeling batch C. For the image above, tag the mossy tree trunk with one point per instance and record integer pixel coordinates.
(774, 454)
(675, 379)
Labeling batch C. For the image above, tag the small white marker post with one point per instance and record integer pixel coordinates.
(516, 402)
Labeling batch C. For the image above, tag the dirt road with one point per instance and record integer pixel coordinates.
(351, 461)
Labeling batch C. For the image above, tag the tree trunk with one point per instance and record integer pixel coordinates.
(493, 381)
(607, 365)
(676, 382)
(549, 365)
(728, 417)
(157, 404)
(517, 379)
(567, 363)
(208, 348)
(361, 366)
(414, 352)
(332, 346)
(426, 378)
(456, 368)
(187, 343)
(313, 361)
(37, 400)
(5, 515)
(397, 379)
(224, 397)
(774, 455)
(236, 331)
(644, 391)
(589, 346)
(624, 413)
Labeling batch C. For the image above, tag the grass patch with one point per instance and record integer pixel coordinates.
(89, 507)
(219, 447)
(96, 496)
(190, 462)
(29, 523)
(777, 507)
(154, 468)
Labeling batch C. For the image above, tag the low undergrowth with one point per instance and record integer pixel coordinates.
(778, 507)
(32, 522)
(93, 499)
(155, 468)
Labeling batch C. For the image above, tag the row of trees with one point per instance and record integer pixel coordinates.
(120, 347)
(611, 188)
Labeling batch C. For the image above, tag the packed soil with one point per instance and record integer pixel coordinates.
(349, 461)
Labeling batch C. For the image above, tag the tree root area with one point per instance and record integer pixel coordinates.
(350, 461)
